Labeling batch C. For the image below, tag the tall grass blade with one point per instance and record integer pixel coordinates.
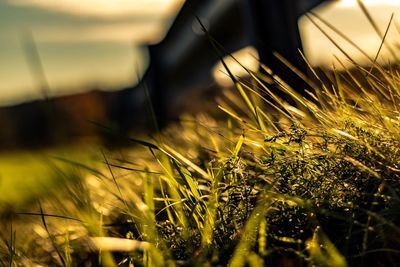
(323, 252)
(60, 256)
(376, 28)
(249, 234)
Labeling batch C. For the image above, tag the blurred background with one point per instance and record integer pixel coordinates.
(86, 57)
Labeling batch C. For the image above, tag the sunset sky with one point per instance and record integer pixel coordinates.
(92, 43)
(349, 19)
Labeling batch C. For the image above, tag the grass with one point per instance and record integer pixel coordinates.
(311, 183)
(26, 175)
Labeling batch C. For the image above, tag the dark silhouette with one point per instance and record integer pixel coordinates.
(180, 67)
(182, 62)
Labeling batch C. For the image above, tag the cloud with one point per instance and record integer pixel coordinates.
(115, 33)
(118, 21)
(107, 8)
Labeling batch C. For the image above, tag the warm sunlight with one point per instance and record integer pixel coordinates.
(238, 62)
(349, 19)
(106, 36)
(199, 133)
(352, 3)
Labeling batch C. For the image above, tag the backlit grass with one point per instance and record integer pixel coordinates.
(311, 183)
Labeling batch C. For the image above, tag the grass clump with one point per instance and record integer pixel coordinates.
(313, 181)
(315, 184)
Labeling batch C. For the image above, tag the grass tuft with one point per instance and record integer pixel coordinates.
(313, 182)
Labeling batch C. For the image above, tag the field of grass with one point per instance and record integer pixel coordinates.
(312, 183)
(315, 184)
(29, 174)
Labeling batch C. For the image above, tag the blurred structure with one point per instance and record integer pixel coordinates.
(181, 64)
(180, 68)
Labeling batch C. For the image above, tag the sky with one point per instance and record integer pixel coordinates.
(82, 44)
(87, 44)
(346, 16)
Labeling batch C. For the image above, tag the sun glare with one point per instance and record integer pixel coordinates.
(248, 58)
(353, 3)
(349, 19)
